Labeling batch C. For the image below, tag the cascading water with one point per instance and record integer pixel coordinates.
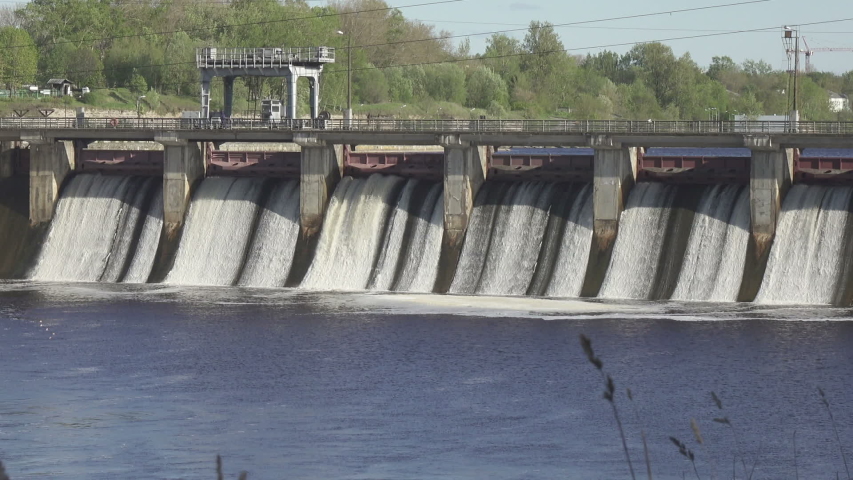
(96, 229)
(572, 252)
(504, 238)
(217, 232)
(372, 230)
(713, 263)
(805, 261)
(636, 255)
(407, 260)
(271, 253)
(149, 238)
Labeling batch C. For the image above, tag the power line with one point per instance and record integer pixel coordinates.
(217, 27)
(621, 44)
(582, 22)
(563, 50)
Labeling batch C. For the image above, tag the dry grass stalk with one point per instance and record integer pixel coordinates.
(609, 393)
(686, 453)
(642, 435)
(835, 429)
(726, 421)
(796, 467)
(219, 475)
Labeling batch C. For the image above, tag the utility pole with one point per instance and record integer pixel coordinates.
(791, 40)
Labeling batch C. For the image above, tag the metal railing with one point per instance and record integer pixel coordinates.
(554, 127)
(268, 57)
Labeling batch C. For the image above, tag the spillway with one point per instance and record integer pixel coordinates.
(380, 233)
(636, 259)
(526, 238)
(217, 232)
(571, 244)
(96, 230)
(271, 253)
(808, 257)
(713, 262)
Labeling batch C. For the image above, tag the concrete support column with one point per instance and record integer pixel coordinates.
(313, 85)
(291, 96)
(50, 163)
(615, 170)
(465, 166)
(205, 97)
(7, 158)
(183, 167)
(229, 95)
(771, 171)
(321, 168)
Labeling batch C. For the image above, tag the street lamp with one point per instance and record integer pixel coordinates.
(348, 113)
(137, 105)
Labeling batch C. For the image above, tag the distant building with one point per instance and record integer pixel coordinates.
(838, 102)
(60, 86)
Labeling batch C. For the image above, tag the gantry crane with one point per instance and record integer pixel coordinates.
(810, 51)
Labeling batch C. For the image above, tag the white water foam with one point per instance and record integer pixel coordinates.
(149, 239)
(642, 227)
(516, 240)
(573, 254)
(716, 250)
(217, 232)
(393, 247)
(271, 254)
(352, 234)
(92, 230)
(421, 266)
(478, 237)
(804, 265)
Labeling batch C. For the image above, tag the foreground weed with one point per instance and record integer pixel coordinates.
(642, 435)
(609, 392)
(725, 421)
(686, 453)
(835, 429)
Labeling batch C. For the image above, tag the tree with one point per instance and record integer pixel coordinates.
(721, 66)
(503, 56)
(445, 82)
(137, 83)
(544, 50)
(485, 87)
(18, 57)
(370, 86)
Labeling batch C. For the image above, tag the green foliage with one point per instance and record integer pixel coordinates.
(97, 43)
(137, 83)
(485, 87)
(370, 86)
(18, 57)
(445, 82)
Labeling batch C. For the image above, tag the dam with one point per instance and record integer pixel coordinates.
(686, 211)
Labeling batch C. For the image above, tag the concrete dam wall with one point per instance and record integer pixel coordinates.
(605, 222)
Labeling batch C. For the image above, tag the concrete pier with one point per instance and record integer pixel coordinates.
(7, 158)
(183, 168)
(465, 166)
(321, 167)
(771, 171)
(615, 170)
(50, 163)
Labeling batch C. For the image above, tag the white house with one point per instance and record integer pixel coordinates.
(838, 102)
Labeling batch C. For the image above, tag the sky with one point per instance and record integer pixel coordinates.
(476, 19)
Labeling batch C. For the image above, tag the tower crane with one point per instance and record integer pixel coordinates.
(810, 51)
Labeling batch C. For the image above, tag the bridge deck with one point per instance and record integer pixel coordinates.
(426, 132)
